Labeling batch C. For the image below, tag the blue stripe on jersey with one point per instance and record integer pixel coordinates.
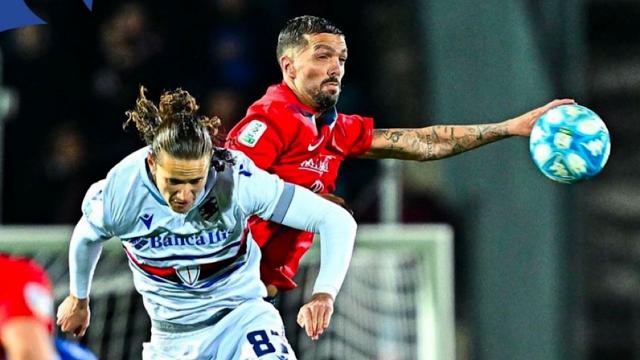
(223, 275)
(191, 257)
(283, 203)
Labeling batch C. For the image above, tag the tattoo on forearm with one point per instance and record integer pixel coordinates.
(429, 146)
(393, 136)
(463, 138)
(435, 142)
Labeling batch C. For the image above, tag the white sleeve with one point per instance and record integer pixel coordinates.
(86, 241)
(307, 211)
(84, 252)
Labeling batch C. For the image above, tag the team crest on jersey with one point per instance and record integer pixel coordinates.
(188, 274)
(252, 133)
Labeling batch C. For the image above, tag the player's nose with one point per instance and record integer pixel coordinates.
(184, 193)
(335, 69)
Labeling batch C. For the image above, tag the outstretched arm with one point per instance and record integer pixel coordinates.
(441, 141)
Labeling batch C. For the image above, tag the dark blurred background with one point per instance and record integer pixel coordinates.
(543, 270)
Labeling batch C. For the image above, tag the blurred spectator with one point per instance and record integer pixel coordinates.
(63, 174)
(127, 42)
(31, 42)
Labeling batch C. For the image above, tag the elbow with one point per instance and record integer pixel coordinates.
(345, 222)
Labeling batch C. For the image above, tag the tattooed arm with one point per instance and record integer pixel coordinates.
(433, 142)
(441, 141)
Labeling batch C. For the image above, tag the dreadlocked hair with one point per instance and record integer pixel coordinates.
(174, 126)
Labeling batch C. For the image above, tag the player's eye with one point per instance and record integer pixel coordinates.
(174, 182)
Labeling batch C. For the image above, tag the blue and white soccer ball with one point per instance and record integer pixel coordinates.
(570, 143)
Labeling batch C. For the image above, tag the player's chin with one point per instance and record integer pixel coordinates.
(331, 92)
(181, 207)
(329, 98)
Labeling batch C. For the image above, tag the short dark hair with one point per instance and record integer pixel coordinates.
(292, 35)
(174, 126)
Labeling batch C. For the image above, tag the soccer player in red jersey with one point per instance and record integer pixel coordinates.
(295, 131)
(26, 315)
(26, 310)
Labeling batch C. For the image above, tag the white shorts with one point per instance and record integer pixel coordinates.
(253, 330)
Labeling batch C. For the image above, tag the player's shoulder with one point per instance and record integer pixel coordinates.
(109, 198)
(278, 109)
(231, 168)
(348, 120)
(130, 165)
(236, 161)
(233, 165)
(127, 172)
(11, 264)
(28, 279)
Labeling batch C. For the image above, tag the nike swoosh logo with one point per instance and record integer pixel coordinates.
(312, 147)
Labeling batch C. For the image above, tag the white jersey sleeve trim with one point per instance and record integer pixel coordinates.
(337, 228)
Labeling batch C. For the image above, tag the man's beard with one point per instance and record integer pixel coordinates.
(324, 99)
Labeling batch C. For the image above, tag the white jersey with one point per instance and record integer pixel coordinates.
(188, 266)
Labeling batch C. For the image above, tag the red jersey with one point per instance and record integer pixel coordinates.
(284, 137)
(26, 291)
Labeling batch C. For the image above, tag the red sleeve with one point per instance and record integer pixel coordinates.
(358, 131)
(26, 291)
(259, 138)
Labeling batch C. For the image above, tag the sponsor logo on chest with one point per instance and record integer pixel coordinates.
(162, 241)
(318, 164)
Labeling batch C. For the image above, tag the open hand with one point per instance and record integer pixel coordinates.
(523, 124)
(315, 315)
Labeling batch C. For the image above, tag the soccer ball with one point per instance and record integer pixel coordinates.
(569, 143)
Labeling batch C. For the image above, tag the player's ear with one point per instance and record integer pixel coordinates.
(286, 64)
(151, 162)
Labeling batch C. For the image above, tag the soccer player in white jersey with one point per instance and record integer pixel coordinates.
(180, 207)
